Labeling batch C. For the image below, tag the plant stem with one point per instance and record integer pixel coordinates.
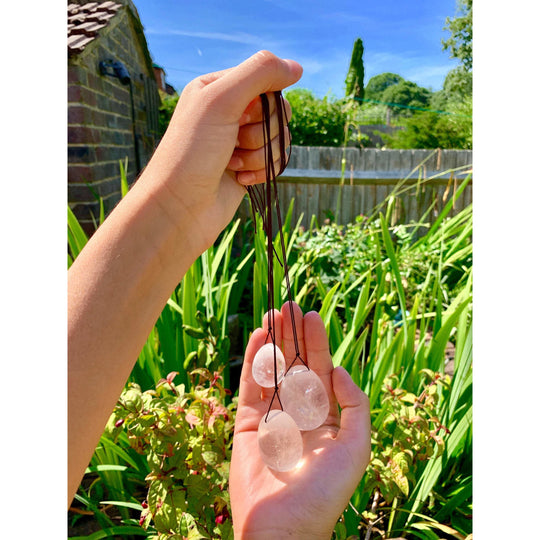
(376, 497)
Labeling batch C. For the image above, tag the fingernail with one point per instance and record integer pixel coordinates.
(235, 163)
(245, 178)
(244, 119)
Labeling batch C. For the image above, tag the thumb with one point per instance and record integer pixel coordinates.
(355, 429)
(232, 90)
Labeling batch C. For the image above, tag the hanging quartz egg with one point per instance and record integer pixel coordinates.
(263, 366)
(304, 397)
(280, 441)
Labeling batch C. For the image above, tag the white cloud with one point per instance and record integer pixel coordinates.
(237, 37)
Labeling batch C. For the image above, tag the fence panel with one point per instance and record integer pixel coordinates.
(426, 179)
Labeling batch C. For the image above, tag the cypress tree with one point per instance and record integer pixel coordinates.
(354, 83)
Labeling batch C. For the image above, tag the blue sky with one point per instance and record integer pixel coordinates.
(189, 38)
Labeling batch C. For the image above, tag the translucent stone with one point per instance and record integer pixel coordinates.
(304, 397)
(280, 441)
(263, 366)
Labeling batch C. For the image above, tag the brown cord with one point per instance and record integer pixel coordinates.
(261, 204)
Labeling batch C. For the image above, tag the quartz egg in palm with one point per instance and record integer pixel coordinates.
(304, 397)
(263, 366)
(280, 441)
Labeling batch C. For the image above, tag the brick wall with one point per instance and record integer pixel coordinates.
(100, 128)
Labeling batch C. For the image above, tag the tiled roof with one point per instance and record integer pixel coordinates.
(85, 21)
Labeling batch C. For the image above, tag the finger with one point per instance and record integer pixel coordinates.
(249, 393)
(254, 160)
(272, 320)
(272, 323)
(254, 111)
(355, 429)
(291, 311)
(317, 346)
(263, 72)
(249, 178)
(319, 359)
(253, 115)
(252, 137)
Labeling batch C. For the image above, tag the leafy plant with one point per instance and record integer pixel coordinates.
(186, 438)
(316, 122)
(436, 130)
(166, 110)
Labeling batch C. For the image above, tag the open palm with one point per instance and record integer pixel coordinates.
(306, 502)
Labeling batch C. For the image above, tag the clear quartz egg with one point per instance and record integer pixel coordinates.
(263, 366)
(304, 397)
(280, 441)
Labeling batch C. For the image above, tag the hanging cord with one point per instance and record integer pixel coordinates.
(261, 204)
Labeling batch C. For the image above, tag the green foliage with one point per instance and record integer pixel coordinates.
(166, 110)
(460, 27)
(354, 83)
(457, 88)
(436, 130)
(316, 122)
(186, 438)
(405, 436)
(213, 350)
(379, 83)
(406, 94)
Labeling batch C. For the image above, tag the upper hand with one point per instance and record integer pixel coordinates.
(214, 143)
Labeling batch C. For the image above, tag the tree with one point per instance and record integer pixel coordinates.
(460, 27)
(406, 94)
(457, 87)
(354, 83)
(379, 83)
(434, 130)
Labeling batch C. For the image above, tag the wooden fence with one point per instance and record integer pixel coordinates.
(425, 181)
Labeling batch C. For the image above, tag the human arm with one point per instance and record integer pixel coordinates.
(307, 501)
(186, 195)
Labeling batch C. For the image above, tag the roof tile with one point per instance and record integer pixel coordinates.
(110, 6)
(90, 6)
(85, 20)
(79, 42)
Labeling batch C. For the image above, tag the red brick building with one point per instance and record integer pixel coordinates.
(113, 103)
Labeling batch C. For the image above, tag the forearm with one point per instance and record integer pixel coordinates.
(117, 288)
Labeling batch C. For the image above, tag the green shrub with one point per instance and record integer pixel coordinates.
(436, 130)
(316, 122)
(186, 438)
(166, 110)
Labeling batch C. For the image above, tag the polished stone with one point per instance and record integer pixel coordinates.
(280, 441)
(304, 397)
(263, 366)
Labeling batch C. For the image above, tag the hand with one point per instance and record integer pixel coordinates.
(214, 142)
(306, 502)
